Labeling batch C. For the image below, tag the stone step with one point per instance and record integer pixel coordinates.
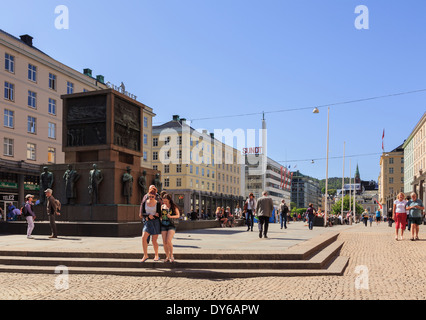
(336, 267)
(318, 261)
(319, 256)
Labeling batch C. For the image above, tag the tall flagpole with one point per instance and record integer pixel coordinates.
(326, 170)
(350, 184)
(343, 175)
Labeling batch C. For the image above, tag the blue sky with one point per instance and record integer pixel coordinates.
(207, 58)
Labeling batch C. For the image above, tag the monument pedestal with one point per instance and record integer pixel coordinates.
(102, 133)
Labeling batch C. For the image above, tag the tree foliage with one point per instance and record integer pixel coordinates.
(337, 207)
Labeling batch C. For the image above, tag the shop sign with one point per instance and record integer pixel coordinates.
(8, 185)
(8, 197)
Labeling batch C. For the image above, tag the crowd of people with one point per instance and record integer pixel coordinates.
(160, 215)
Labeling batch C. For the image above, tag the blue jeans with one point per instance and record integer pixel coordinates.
(311, 223)
(249, 219)
(283, 220)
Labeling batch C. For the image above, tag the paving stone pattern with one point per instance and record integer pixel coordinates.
(379, 268)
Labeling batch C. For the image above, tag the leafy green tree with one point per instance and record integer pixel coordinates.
(346, 206)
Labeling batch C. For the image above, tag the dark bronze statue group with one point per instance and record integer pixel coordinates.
(71, 176)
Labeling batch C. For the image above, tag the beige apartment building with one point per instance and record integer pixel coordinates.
(199, 171)
(31, 107)
(391, 179)
(415, 160)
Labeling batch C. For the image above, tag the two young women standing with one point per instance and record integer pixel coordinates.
(159, 215)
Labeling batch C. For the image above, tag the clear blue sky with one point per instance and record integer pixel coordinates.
(205, 58)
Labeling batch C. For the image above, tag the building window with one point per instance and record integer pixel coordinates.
(155, 156)
(145, 156)
(31, 151)
(32, 73)
(390, 180)
(52, 81)
(145, 122)
(145, 139)
(52, 130)
(8, 147)
(51, 155)
(390, 160)
(166, 168)
(167, 141)
(155, 168)
(32, 99)
(9, 63)
(166, 182)
(191, 169)
(52, 106)
(390, 170)
(179, 182)
(167, 155)
(179, 154)
(70, 87)
(8, 118)
(155, 142)
(31, 125)
(9, 91)
(179, 168)
(179, 140)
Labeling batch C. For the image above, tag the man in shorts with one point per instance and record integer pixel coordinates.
(415, 207)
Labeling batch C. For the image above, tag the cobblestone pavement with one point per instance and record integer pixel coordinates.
(379, 268)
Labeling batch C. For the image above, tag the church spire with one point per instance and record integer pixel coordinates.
(357, 176)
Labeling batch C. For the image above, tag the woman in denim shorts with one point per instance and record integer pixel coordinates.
(169, 212)
(150, 211)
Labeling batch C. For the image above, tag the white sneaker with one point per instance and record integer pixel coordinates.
(30, 237)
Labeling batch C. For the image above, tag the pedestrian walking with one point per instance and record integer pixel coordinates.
(310, 215)
(365, 217)
(169, 213)
(378, 217)
(399, 215)
(250, 206)
(283, 214)
(415, 207)
(371, 218)
(390, 220)
(264, 209)
(28, 213)
(52, 211)
(150, 211)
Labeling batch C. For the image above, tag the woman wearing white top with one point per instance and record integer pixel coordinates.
(399, 215)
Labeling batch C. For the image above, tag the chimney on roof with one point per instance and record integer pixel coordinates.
(87, 72)
(27, 39)
(100, 78)
(176, 118)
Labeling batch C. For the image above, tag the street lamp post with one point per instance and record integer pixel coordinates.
(326, 170)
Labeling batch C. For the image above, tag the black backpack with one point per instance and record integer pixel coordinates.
(24, 211)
